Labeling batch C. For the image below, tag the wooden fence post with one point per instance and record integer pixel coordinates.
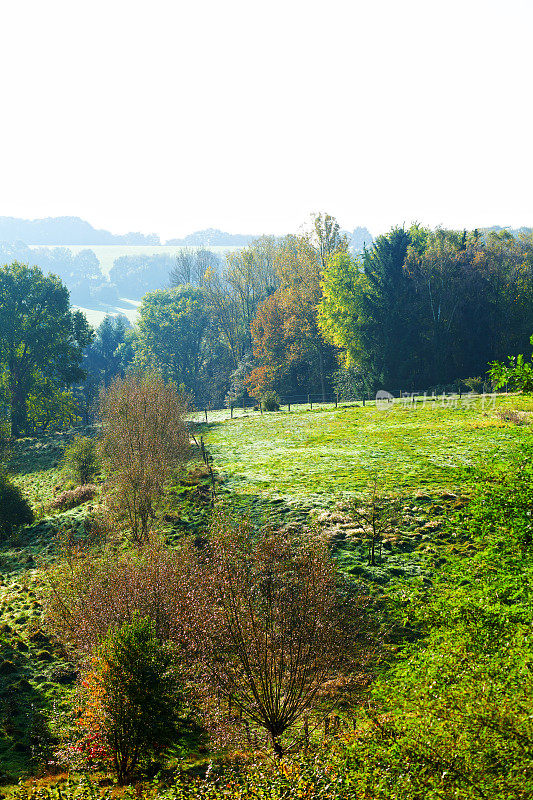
(231, 409)
(336, 399)
(205, 409)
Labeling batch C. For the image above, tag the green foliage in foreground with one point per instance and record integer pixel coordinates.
(451, 717)
(454, 718)
(139, 695)
(517, 373)
(14, 508)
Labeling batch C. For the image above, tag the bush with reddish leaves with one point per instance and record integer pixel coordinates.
(74, 497)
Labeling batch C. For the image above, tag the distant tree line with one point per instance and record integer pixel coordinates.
(80, 272)
(295, 315)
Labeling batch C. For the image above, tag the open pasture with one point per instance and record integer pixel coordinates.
(329, 453)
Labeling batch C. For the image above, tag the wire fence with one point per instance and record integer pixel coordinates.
(302, 402)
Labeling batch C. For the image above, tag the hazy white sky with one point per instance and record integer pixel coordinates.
(249, 115)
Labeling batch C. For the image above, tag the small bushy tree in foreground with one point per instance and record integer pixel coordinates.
(144, 437)
(517, 373)
(132, 696)
(80, 460)
(270, 401)
(90, 592)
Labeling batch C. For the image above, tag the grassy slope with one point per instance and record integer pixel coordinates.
(311, 462)
(34, 674)
(283, 464)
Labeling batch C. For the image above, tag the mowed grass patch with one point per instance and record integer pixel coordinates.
(327, 453)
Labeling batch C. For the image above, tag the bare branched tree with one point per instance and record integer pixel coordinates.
(192, 265)
(272, 630)
(378, 516)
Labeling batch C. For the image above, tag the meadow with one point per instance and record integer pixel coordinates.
(330, 453)
(292, 469)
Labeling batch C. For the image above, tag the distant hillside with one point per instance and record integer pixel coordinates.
(64, 231)
(212, 237)
(513, 231)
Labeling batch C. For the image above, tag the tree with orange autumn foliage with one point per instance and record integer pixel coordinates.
(288, 343)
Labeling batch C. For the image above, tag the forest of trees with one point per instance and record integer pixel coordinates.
(131, 276)
(297, 315)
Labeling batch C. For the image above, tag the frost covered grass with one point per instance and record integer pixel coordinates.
(328, 453)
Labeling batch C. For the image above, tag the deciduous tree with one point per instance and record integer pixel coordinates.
(271, 627)
(144, 436)
(41, 340)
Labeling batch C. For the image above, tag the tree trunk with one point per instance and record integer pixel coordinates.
(276, 746)
(18, 417)
(321, 368)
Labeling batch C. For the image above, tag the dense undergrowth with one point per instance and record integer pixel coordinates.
(449, 714)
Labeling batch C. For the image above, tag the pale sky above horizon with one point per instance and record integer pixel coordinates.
(248, 116)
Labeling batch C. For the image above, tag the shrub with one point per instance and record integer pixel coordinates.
(132, 698)
(90, 592)
(475, 385)
(517, 373)
(144, 438)
(349, 384)
(80, 460)
(270, 401)
(515, 417)
(74, 497)
(14, 508)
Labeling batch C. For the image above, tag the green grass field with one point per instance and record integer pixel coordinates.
(328, 453)
(283, 468)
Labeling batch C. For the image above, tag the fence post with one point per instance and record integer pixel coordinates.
(243, 406)
(336, 399)
(364, 397)
(261, 407)
(205, 409)
(289, 407)
(231, 409)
